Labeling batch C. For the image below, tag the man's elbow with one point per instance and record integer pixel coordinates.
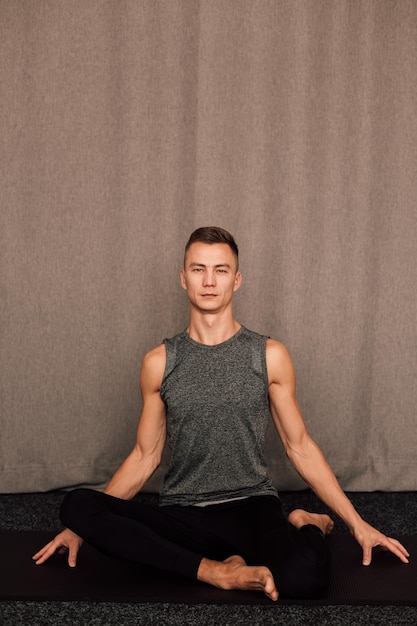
(299, 450)
(149, 459)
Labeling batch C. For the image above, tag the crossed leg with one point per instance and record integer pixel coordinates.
(234, 573)
(215, 546)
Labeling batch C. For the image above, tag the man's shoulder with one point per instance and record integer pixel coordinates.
(155, 357)
(175, 338)
(273, 345)
(278, 360)
(160, 351)
(152, 371)
(276, 350)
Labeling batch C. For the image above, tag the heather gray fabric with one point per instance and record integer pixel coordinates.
(127, 124)
(217, 415)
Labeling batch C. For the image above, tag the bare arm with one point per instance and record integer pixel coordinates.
(150, 440)
(308, 459)
(141, 462)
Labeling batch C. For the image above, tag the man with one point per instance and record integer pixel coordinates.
(210, 391)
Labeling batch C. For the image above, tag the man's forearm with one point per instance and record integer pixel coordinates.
(131, 476)
(313, 467)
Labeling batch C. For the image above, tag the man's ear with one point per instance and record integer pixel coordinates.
(183, 280)
(238, 281)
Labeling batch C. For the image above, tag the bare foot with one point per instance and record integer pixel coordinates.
(299, 518)
(233, 573)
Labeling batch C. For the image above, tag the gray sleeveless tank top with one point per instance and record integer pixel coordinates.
(217, 415)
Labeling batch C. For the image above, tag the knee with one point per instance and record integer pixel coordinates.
(75, 507)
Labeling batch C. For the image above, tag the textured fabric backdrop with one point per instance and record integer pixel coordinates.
(127, 124)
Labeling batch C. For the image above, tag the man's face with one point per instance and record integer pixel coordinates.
(210, 276)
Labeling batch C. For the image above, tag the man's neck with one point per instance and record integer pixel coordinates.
(212, 329)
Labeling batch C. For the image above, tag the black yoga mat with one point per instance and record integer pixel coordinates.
(98, 578)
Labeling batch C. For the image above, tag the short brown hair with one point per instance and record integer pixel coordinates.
(213, 234)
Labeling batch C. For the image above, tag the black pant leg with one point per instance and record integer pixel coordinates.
(176, 538)
(298, 558)
(131, 530)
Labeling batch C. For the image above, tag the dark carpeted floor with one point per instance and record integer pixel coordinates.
(393, 513)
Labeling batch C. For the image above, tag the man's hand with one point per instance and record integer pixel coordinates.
(65, 541)
(369, 538)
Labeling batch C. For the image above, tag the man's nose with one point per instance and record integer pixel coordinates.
(209, 278)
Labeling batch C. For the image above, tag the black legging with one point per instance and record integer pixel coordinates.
(176, 538)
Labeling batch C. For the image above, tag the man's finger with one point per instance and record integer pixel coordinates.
(397, 548)
(42, 551)
(367, 556)
(44, 554)
(72, 556)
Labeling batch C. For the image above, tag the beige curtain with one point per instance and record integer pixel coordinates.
(125, 124)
